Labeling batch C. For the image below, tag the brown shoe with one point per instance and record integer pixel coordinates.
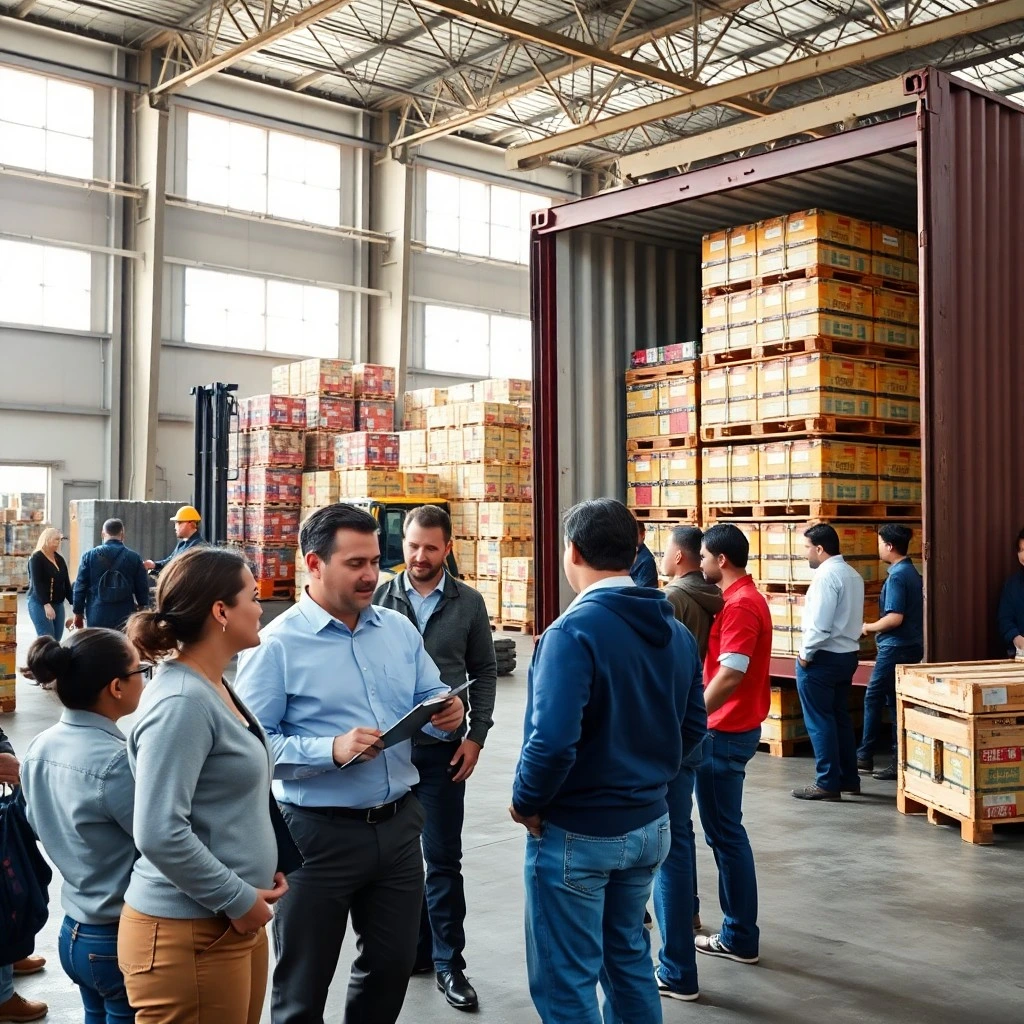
(30, 965)
(18, 1009)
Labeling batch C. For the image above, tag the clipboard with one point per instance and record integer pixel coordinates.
(407, 727)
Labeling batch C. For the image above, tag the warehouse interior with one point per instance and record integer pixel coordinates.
(448, 196)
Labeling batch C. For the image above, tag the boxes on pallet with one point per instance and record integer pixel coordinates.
(237, 486)
(899, 473)
(815, 384)
(464, 553)
(371, 380)
(326, 412)
(366, 450)
(486, 413)
(504, 519)
(488, 483)
(271, 563)
(274, 446)
(663, 355)
(491, 553)
(827, 226)
(14, 571)
(490, 591)
(728, 394)
(375, 416)
(517, 569)
(507, 390)
(20, 537)
(809, 295)
(517, 601)
(465, 520)
(818, 469)
(370, 483)
(730, 475)
(425, 398)
(323, 377)
(783, 559)
(421, 485)
(414, 419)
(483, 444)
(269, 486)
(236, 524)
(898, 307)
(819, 324)
(982, 687)
(272, 527)
(412, 449)
(274, 411)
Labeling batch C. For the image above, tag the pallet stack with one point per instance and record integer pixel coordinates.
(478, 439)
(961, 744)
(810, 393)
(8, 651)
(21, 522)
(784, 728)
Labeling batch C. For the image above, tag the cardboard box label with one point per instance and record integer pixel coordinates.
(993, 695)
(999, 805)
(999, 755)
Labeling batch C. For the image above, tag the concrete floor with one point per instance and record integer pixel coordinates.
(866, 916)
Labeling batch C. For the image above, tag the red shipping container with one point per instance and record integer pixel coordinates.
(276, 411)
(371, 380)
(375, 417)
(236, 488)
(266, 525)
(268, 486)
(236, 523)
(366, 451)
(272, 446)
(269, 563)
(329, 413)
(320, 449)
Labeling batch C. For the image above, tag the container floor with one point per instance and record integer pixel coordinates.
(866, 916)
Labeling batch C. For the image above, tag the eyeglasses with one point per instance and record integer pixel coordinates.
(145, 670)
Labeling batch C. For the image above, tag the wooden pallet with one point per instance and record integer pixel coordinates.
(790, 346)
(874, 587)
(666, 442)
(667, 371)
(812, 426)
(275, 590)
(814, 510)
(826, 273)
(660, 514)
(979, 833)
(785, 748)
(8, 705)
(13, 590)
(507, 626)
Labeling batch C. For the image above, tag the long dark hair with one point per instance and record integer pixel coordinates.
(83, 666)
(189, 587)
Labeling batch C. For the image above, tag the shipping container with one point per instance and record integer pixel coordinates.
(622, 270)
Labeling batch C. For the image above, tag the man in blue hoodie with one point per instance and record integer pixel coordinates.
(614, 705)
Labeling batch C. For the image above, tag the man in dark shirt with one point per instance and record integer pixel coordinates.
(900, 638)
(186, 528)
(1011, 607)
(644, 572)
(111, 582)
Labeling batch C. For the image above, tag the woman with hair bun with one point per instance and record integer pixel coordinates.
(192, 943)
(79, 794)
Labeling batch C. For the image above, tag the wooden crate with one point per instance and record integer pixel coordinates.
(980, 687)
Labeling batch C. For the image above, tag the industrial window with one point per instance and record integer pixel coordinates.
(467, 341)
(476, 219)
(45, 286)
(247, 312)
(243, 167)
(46, 124)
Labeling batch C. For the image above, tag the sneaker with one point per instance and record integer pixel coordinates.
(696, 924)
(712, 945)
(866, 765)
(18, 1010)
(671, 993)
(886, 774)
(816, 793)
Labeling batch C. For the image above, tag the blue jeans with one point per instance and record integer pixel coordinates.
(881, 693)
(6, 982)
(43, 625)
(443, 918)
(824, 690)
(88, 954)
(719, 792)
(585, 900)
(676, 884)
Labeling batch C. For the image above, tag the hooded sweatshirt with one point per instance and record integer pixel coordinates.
(696, 603)
(614, 703)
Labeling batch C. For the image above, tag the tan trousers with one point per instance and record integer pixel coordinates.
(191, 971)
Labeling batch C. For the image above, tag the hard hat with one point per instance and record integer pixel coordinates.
(186, 514)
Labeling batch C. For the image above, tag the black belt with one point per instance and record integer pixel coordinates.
(371, 815)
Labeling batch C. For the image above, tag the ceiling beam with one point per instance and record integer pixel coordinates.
(760, 131)
(301, 19)
(531, 81)
(978, 19)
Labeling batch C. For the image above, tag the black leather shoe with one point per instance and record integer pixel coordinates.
(886, 774)
(457, 990)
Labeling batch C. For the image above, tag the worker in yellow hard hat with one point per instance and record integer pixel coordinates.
(186, 528)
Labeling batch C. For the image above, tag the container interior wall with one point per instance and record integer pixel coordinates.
(615, 295)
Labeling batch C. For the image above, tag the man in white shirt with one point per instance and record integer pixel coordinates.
(833, 613)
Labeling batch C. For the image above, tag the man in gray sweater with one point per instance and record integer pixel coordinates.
(452, 618)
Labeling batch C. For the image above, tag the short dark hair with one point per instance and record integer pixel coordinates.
(319, 530)
(729, 540)
(823, 536)
(113, 528)
(898, 535)
(429, 517)
(604, 532)
(688, 538)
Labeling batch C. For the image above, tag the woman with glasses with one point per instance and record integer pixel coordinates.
(79, 793)
(192, 943)
(49, 585)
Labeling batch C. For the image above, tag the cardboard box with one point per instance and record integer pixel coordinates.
(280, 380)
(375, 416)
(518, 570)
(460, 394)
(505, 519)
(517, 601)
(323, 377)
(269, 486)
(412, 449)
(715, 340)
(371, 380)
(414, 419)
(271, 563)
(366, 451)
(899, 462)
(442, 417)
(237, 487)
(464, 553)
(641, 399)
(236, 524)
(274, 446)
(728, 394)
(487, 483)
(490, 591)
(825, 226)
(815, 384)
(889, 267)
(911, 271)
(487, 414)
(491, 553)
(425, 398)
(439, 446)
(677, 406)
(324, 412)
(421, 485)
(730, 475)
(714, 275)
(742, 269)
(320, 446)
(822, 254)
(899, 410)
(771, 234)
(277, 527)
(321, 488)
(899, 335)
(282, 411)
(818, 470)
(525, 445)
(813, 294)
(507, 390)
(465, 520)
(483, 444)
(715, 247)
(886, 241)
(898, 307)
(897, 380)
(814, 325)
(371, 483)
(716, 313)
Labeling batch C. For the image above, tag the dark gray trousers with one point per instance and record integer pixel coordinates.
(373, 873)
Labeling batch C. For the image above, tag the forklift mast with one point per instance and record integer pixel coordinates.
(216, 408)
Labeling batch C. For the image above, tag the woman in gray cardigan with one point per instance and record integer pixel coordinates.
(192, 942)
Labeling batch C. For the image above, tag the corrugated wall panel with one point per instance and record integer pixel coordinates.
(615, 295)
(972, 211)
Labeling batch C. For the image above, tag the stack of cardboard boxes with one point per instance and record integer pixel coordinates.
(21, 522)
(8, 651)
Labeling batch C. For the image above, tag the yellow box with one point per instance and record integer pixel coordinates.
(899, 462)
(900, 491)
(715, 341)
(818, 470)
(773, 262)
(642, 398)
(897, 380)
(517, 603)
(677, 393)
(715, 247)
(826, 226)
(742, 241)
(421, 485)
(771, 234)
(713, 275)
(814, 325)
(643, 426)
(716, 313)
(644, 468)
(908, 245)
(911, 271)
(886, 241)
(781, 608)
(729, 394)
(899, 410)
(512, 448)
(896, 335)
(770, 302)
(490, 591)
(505, 519)
(730, 475)
(742, 268)
(488, 414)
(370, 483)
(899, 307)
(464, 552)
(742, 308)
(815, 384)
(441, 417)
(483, 443)
(811, 294)
(742, 335)
(517, 569)
(326, 487)
(465, 519)
(491, 553)
(526, 446)
(823, 254)
(889, 267)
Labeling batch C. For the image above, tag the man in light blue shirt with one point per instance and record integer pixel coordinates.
(423, 606)
(330, 677)
(833, 616)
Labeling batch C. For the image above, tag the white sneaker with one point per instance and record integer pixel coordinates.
(712, 945)
(670, 993)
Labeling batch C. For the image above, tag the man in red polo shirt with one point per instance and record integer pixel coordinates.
(737, 696)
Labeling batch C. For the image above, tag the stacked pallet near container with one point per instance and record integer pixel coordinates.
(21, 522)
(478, 439)
(961, 744)
(8, 651)
(810, 394)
